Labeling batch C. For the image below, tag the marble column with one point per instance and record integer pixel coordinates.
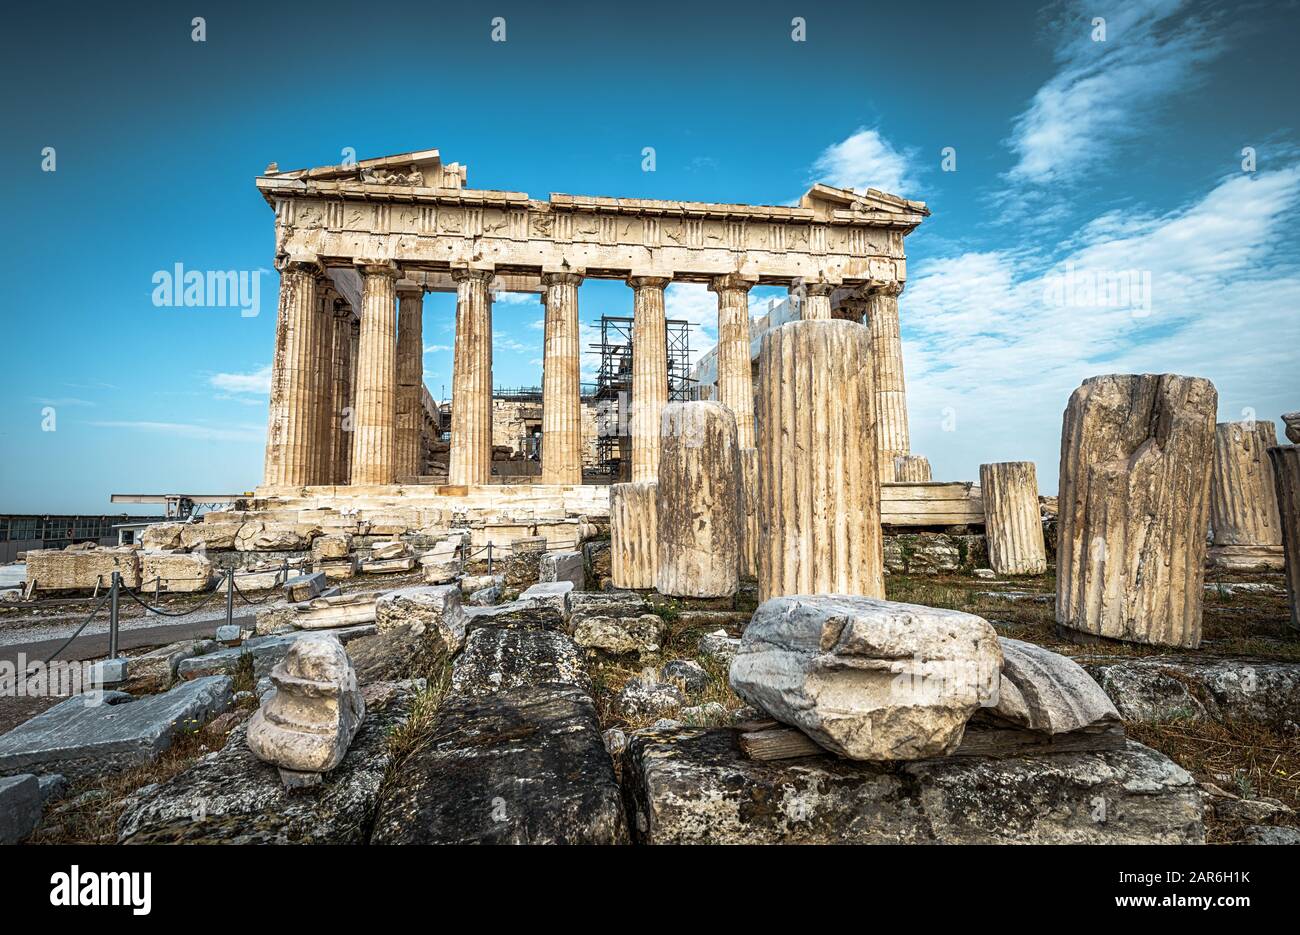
(470, 459)
(891, 391)
(373, 435)
(815, 298)
(322, 441)
(912, 469)
(340, 392)
(1243, 502)
(561, 389)
(1013, 524)
(292, 408)
(633, 542)
(735, 373)
(1286, 475)
(410, 376)
(349, 413)
(649, 374)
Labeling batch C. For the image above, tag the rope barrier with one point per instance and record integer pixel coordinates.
(167, 613)
(69, 640)
(248, 601)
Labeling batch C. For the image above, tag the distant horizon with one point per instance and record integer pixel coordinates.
(1105, 199)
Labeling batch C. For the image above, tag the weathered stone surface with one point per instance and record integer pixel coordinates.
(435, 608)
(526, 614)
(892, 435)
(563, 566)
(1160, 688)
(308, 721)
(1013, 526)
(233, 797)
(719, 645)
(381, 551)
(620, 636)
(633, 526)
(645, 695)
(1136, 455)
(698, 502)
(331, 546)
(649, 374)
(921, 554)
(160, 663)
(485, 597)
(597, 557)
(388, 566)
(1243, 500)
(1269, 834)
(463, 786)
(337, 569)
(695, 786)
(580, 604)
(1286, 477)
(497, 659)
(305, 587)
(81, 738)
(81, 570)
(550, 594)
(255, 536)
(819, 483)
(212, 537)
(175, 572)
(265, 650)
(20, 807)
(322, 613)
(912, 469)
(687, 673)
(866, 678)
(162, 537)
(1045, 691)
(1292, 422)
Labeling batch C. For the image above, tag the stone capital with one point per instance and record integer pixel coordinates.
(467, 274)
(377, 268)
(409, 287)
(892, 289)
(648, 282)
(812, 287)
(561, 279)
(302, 263)
(731, 282)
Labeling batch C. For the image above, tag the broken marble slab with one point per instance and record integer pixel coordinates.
(231, 796)
(388, 565)
(500, 659)
(548, 593)
(265, 651)
(321, 613)
(434, 608)
(305, 587)
(383, 551)
(697, 786)
(20, 807)
(563, 566)
(866, 678)
(1046, 692)
(104, 732)
(1202, 687)
(464, 784)
(620, 636)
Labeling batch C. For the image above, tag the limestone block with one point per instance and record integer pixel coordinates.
(698, 502)
(1292, 422)
(912, 469)
(162, 537)
(210, 536)
(339, 610)
(563, 566)
(1012, 523)
(338, 569)
(621, 635)
(1136, 452)
(819, 488)
(20, 807)
(61, 570)
(866, 678)
(1243, 503)
(306, 724)
(271, 537)
(388, 566)
(331, 546)
(381, 551)
(633, 534)
(304, 587)
(436, 610)
(1286, 475)
(176, 572)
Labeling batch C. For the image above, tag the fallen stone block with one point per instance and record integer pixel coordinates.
(563, 566)
(1047, 692)
(161, 663)
(464, 785)
(233, 797)
(388, 566)
(162, 537)
(83, 570)
(620, 636)
(696, 786)
(719, 646)
(866, 678)
(497, 659)
(526, 614)
(337, 569)
(176, 572)
(211, 536)
(646, 696)
(265, 650)
(578, 604)
(1163, 688)
(382, 551)
(304, 587)
(20, 807)
(331, 547)
(80, 738)
(254, 536)
(550, 593)
(436, 608)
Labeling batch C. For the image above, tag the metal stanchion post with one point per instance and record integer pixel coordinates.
(489, 556)
(230, 595)
(112, 620)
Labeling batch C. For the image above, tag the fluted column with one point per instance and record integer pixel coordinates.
(649, 374)
(1013, 524)
(1243, 503)
(912, 469)
(891, 390)
(470, 459)
(735, 373)
(815, 300)
(340, 392)
(292, 409)
(1286, 475)
(410, 375)
(819, 486)
(373, 436)
(561, 389)
(350, 412)
(632, 534)
(322, 465)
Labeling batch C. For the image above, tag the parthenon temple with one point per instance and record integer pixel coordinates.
(358, 245)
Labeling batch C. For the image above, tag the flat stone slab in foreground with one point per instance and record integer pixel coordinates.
(1162, 688)
(233, 797)
(695, 786)
(522, 766)
(80, 739)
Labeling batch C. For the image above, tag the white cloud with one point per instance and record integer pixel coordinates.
(1105, 92)
(258, 382)
(987, 340)
(198, 432)
(864, 160)
(436, 348)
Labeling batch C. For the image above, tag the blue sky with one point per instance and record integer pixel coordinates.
(1099, 157)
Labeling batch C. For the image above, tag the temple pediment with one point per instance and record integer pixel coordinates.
(831, 203)
(422, 169)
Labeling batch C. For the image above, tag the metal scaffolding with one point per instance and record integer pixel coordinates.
(612, 394)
